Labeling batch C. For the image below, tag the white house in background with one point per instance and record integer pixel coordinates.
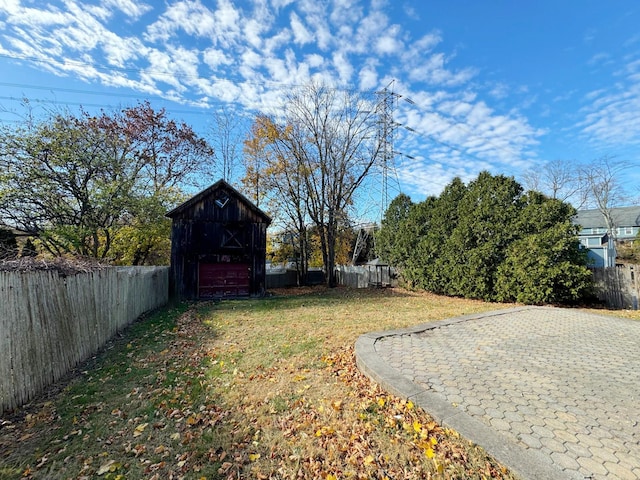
(601, 243)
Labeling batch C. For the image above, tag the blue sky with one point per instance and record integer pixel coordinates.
(501, 85)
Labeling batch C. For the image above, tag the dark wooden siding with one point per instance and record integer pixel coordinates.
(217, 226)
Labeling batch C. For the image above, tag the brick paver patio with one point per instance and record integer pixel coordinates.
(560, 386)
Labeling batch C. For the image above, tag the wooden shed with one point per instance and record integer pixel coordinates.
(218, 245)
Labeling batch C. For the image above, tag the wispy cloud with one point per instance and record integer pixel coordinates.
(611, 114)
(301, 35)
(251, 53)
(600, 59)
(131, 8)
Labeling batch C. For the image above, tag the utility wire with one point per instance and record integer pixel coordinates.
(111, 68)
(94, 105)
(197, 107)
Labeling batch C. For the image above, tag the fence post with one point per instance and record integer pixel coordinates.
(50, 323)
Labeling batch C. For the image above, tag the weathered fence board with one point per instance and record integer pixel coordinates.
(351, 276)
(49, 323)
(618, 287)
(365, 276)
(281, 279)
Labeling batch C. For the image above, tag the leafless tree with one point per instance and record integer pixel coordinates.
(329, 136)
(558, 179)
(274, 176)
(602, 184)
(227, 136)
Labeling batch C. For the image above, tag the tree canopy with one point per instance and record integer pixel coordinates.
(77, 183)
(488, 240)
(310, 162)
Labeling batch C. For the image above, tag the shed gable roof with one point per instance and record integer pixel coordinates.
(622, 216)
(210, 192)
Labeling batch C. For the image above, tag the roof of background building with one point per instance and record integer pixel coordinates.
(623, 217)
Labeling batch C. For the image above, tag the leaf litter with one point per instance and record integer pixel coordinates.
(221, 393)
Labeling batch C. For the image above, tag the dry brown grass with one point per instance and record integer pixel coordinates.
(245, 389)
(313, 414)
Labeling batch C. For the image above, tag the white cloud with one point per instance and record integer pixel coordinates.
(345, 12)
(198, 51)
(611, 114)
(160, 69)
(34, 17)
(301, 35)
(464, 136)
(456, 108)
(314, 17)
(322, 34)
(388, 43)
(368, 31)
(131, 8)
(368, 77)
(343, 67)
(120, 52)
(194, 19)
(226, 90)
(280, 4)
(227, 19)
(613, 118)
(600, 59)
(417, 51)
(215, 58)
(253, 30)
(430, 176)
(432, 70)
(410, 11)
(277, 41)
(314, 60)
(499, 91)
(251, 58)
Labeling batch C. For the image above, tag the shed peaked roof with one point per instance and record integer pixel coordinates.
(622, 216)
(210, 191)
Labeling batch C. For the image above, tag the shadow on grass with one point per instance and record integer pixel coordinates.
(71, 421)
(300, 297)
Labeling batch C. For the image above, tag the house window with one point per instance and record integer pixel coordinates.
(628, 230)
(594, 242)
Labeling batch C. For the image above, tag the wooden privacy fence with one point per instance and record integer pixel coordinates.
(351, 276)
(618, 287)
(282, 278)
(365, 276)
(50, 323)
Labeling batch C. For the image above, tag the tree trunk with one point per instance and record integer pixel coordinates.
(330, 263)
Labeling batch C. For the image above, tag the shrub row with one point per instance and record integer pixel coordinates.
(489, 240)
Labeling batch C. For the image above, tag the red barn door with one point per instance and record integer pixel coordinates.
(223, 280)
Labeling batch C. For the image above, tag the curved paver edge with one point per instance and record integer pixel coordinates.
(526, 463)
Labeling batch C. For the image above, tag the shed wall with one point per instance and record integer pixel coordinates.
(218, 229)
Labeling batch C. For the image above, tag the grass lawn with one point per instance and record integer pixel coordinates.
(263, 388)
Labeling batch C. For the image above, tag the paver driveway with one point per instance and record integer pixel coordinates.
(551, 393)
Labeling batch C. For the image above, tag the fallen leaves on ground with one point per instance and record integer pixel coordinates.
(207, 399)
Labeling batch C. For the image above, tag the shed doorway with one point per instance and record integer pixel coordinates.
(217, 280)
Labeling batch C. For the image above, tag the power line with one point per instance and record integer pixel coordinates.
(189, 76)
(92, 105)
(387, 105)
(112, 68)
(386, 130)
(72, 90)
(458, 125)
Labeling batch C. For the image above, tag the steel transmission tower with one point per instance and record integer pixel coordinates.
(385, 107)
(386, 104)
